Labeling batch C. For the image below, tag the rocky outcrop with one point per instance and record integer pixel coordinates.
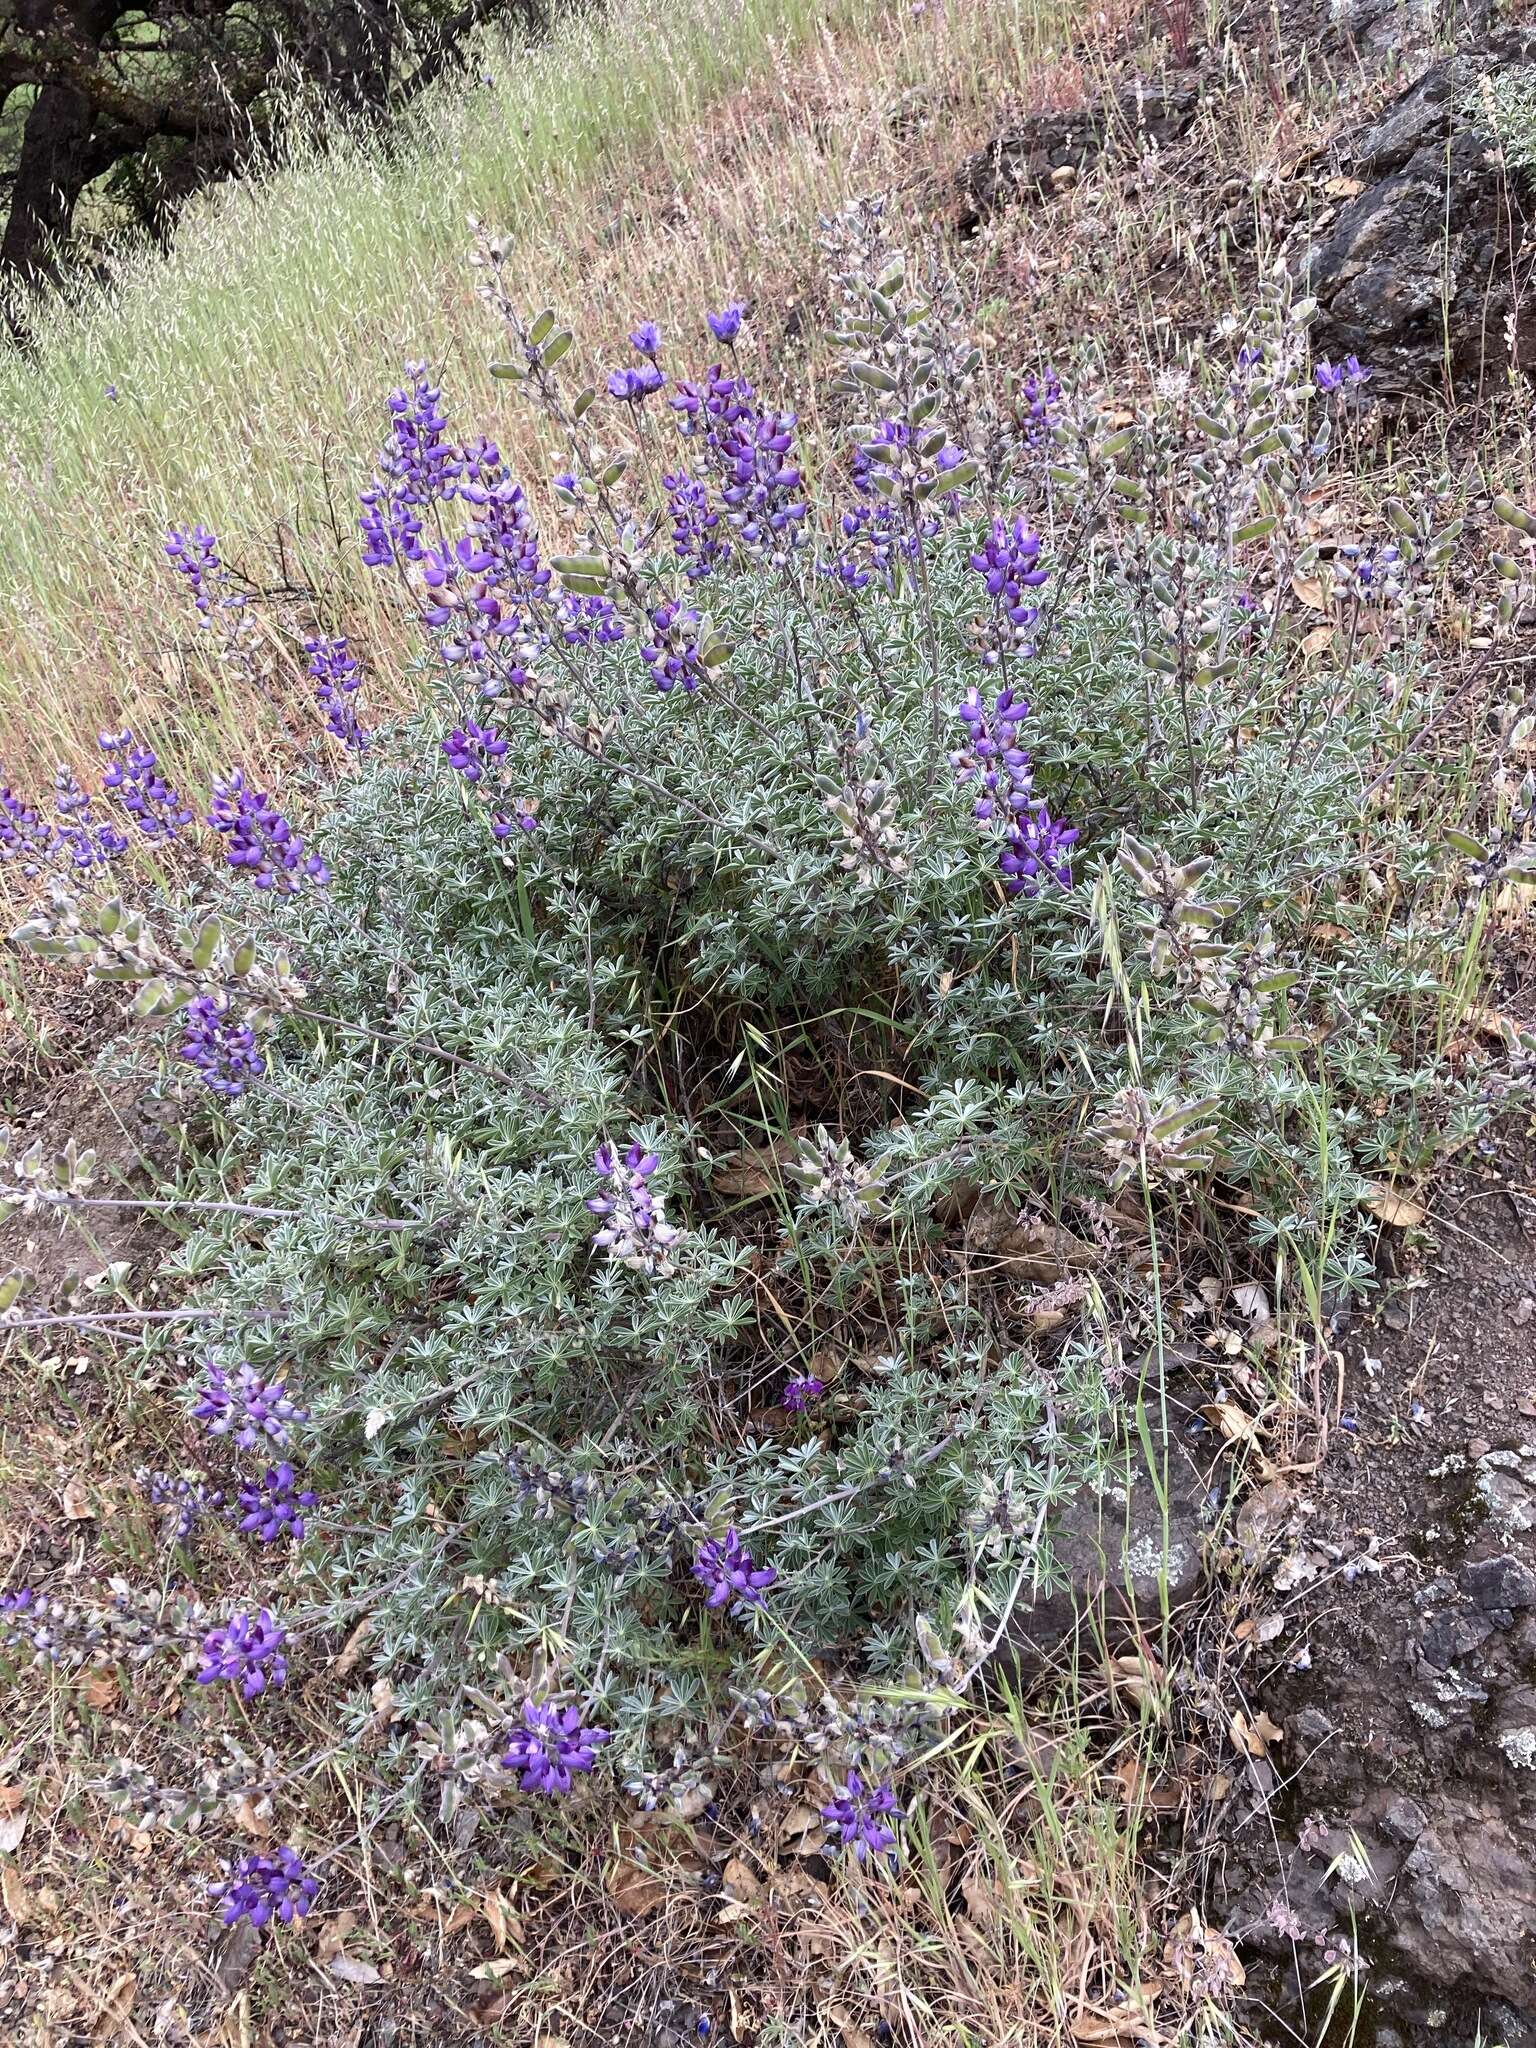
(1041, 155)
(1419, 274)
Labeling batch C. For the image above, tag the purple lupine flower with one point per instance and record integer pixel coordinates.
(134, 774)
(1332, 377)
(333, 669)
(861, 1814)
(1036, 846)
(521, 818)
(248, 1650)
(225, 1050)
(270, 1506)
(257, 1411)
(672, 652)
(696, 540)
(470, 748)
(874, 542)
(726, 1568)
(1008, 562)
(995, 761)
(551, 1748)
(634, 384)
(1039, 406)
(726, 324)
(195, 555)
(762, 489)
(417, 467)
(23, 835)
(591, 621)
(110, 391)
(637, 1233)
(260, 839)
(83, 840)
(800, 1393)
(187, 1496)
(712, 407)
(646, 339)
(482, 586)
(263, 1888)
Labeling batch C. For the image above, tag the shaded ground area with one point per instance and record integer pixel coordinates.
(1406, 1675)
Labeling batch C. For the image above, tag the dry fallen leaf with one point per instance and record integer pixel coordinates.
(18, 1900)
(352, 1648)
(1398, 1212)
(803, 1832)
(1236, 1427)
(111, 2021)
(99, 1689)
(76, 1502)
(352, 1970)
(1254, 1737)
(1310, 591)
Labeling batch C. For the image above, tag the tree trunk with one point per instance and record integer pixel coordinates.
(56, 163)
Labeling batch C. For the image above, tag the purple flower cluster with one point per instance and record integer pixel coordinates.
(634, 383)
(263, 1888)
(696, 540)
(636, 1233)
(187, 1497)
(551, 1748)
(874, 542)
(1332, 377)
(81, 839)
(248, 1651)
(333, 669)
(416, 468)
(800, 1393)
(1008, 562)
(995, 761)
(260, 840)
(726, 1568)
(195, 555)
(646, 339)
(224, 1049)
(751, 454)
(254, 1411)
(271, 1507)
(471, 749)
(1039, 406)
(589, 621)
(134, 774)
(1035, 845)
(672, 651)
(481, 589)
(23, 835)
(861, 1817)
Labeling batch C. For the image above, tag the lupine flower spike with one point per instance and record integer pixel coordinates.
(551, 1748)
(726, 1568)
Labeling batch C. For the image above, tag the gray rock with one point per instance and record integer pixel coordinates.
(1415, 275)
(1039, 156)
(1452, 1637)
(1404, 1820)
(1116, 1558)
(1500, 1582)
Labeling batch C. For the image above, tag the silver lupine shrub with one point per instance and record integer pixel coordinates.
(804, 850)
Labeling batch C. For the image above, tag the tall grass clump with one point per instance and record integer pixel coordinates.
(703, 1132)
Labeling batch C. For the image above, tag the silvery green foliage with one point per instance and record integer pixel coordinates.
(748, 925)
